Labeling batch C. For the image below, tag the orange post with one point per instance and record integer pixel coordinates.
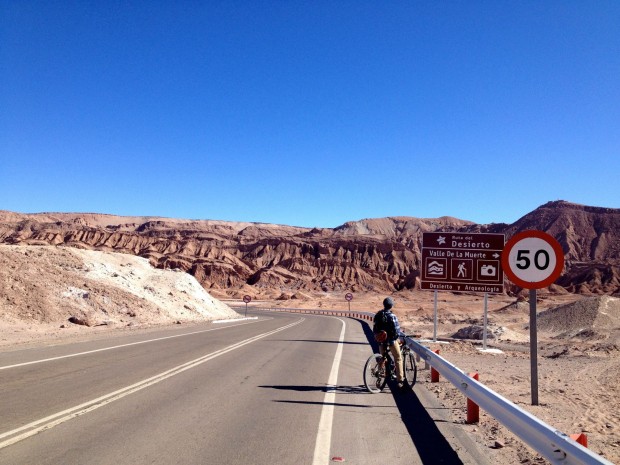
(434, 373)
(580, 438)
(473, 410)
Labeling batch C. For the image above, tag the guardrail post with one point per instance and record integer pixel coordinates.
(435, 373)
(580, 438)
(473, 411)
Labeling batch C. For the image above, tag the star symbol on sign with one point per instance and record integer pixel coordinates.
(441, 240)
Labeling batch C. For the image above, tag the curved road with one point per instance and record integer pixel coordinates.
(279, 389)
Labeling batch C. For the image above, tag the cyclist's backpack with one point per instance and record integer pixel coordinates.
(384, 322)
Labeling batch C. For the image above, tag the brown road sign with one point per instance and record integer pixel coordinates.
(466, 262)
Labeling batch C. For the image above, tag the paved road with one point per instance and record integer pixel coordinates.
(281, 389)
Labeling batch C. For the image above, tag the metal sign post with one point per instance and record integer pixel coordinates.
(533, 260)
(435, 319)
(484, 330)
(247, 299)
(349, 298)
(533, 347)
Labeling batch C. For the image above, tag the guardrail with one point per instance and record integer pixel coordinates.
(552, 444)
(367, 316)
(555, 446)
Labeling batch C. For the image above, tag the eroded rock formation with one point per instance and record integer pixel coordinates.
(373, 254)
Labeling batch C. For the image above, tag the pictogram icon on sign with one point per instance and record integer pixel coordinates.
(533, 259)
(437, 268)
(462, 269)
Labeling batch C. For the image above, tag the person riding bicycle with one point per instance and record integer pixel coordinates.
(387, 332)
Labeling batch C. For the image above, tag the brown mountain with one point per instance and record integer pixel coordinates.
(372, 254)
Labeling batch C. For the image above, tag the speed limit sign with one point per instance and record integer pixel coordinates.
(533, 259)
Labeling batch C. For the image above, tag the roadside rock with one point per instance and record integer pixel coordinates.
(477, 332)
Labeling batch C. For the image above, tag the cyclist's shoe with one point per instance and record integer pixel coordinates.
(393, 377)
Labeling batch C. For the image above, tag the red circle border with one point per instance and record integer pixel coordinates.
(559, 259)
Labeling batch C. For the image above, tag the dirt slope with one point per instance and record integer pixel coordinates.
(45, 286)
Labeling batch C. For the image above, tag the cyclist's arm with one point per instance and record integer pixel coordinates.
(397, 327)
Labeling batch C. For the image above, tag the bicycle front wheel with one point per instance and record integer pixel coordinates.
(374, 374)
(410, 368)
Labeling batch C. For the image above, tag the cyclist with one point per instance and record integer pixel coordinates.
(387, 332)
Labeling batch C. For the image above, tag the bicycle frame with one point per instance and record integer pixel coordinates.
(380, 368)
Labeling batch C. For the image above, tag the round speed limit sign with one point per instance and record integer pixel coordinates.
(533, 259)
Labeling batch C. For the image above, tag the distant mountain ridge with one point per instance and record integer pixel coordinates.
(381, 254)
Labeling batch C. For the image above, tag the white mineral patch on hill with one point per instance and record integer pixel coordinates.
(50, 284)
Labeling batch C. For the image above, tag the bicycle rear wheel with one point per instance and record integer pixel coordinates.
(374, 374)
(410, 368)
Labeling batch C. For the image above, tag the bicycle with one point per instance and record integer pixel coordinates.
(380, 368)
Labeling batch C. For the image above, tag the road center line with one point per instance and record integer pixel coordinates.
(56, 419)
(6, 367)
(324, 435)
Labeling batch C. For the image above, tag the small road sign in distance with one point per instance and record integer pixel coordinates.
(247, 299)
(349, 296)
(533, 259)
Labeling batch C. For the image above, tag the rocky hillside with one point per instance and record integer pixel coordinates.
(372, 254)
(52, 285)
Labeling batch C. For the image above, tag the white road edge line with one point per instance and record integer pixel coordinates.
(6, 367)
(324, 435)
(56, 419)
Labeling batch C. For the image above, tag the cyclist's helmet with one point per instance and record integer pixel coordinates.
(388, 303)
(381, 336)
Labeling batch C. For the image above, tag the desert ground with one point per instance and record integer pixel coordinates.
(578, 350)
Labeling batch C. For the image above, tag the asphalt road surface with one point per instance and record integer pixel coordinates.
(280, 389)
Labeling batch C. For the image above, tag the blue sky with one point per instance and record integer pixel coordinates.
(309, 113)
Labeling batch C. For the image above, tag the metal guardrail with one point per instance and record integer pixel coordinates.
(555, 446)
(552, 444)
(367, 316)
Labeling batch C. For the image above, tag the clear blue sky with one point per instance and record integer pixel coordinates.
(309, 113)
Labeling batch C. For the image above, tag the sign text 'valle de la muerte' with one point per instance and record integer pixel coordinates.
(468, 262)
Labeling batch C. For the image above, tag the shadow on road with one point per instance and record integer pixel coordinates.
(432, 446)
(321, 341)
(337, 389)
(430, 443)
(370, 337)
(336, 404)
